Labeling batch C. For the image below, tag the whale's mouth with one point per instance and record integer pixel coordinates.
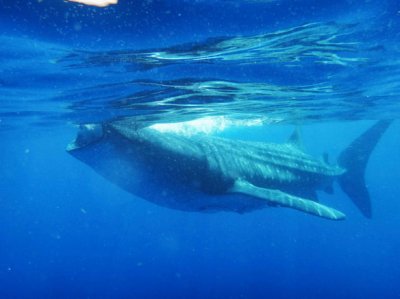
(87, 135)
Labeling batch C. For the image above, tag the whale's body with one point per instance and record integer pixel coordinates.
(208, 174)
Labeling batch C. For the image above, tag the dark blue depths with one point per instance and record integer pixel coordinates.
(65, 232)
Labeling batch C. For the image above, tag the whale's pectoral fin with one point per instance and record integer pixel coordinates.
(279, 198)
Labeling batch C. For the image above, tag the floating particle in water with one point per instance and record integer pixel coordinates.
(77, 26)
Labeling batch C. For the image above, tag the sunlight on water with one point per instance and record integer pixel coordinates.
(207, 125)
(323, 43)
(313, 72)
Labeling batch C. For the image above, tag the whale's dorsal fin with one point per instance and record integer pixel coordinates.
(325, 158)
(277, 197)
(295, 139)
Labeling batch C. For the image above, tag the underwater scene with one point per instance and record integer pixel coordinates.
(199, 149)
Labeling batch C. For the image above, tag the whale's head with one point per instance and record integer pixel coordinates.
(87, 134)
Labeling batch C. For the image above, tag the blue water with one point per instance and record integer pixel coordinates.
(65, 232)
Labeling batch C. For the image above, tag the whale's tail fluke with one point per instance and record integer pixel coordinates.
(354, 158)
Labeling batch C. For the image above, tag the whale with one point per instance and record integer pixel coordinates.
(205, 173)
